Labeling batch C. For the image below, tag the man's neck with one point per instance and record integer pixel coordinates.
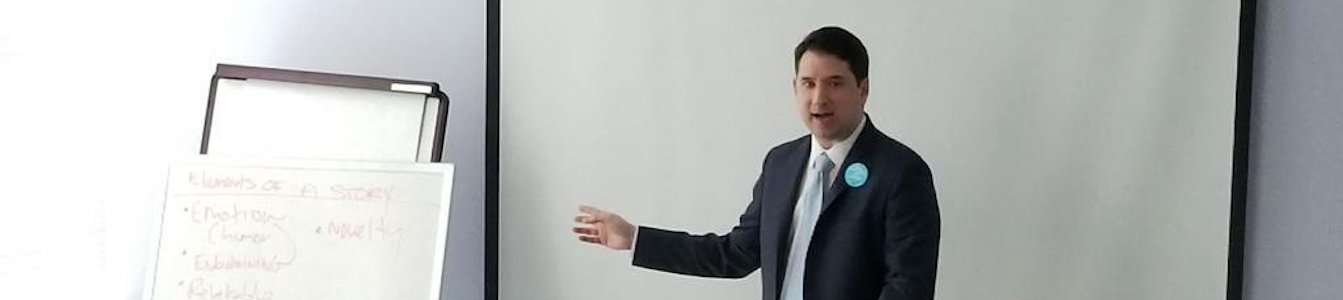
(826, 144)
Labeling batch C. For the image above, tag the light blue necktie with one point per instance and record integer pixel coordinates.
(808, 211)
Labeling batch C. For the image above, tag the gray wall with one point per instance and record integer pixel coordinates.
(440, 41)
(1294, 235)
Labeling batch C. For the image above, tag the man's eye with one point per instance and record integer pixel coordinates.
(808, 84)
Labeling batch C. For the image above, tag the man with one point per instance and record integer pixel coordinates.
(843, 213)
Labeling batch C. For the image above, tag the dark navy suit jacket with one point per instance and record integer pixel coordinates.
(878, 240)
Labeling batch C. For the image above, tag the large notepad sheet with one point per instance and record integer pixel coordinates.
(252, 229)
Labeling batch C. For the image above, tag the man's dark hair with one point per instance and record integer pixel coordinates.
(838, 42)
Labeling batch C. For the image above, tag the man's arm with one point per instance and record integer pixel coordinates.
(733, 255)
(913, 228)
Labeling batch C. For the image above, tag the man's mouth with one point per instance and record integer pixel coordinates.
(822, 116)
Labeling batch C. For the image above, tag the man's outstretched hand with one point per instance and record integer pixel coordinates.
(603, 228)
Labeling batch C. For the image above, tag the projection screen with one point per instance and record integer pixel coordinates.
(1081, 149)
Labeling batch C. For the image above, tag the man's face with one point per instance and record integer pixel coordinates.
(829, 97)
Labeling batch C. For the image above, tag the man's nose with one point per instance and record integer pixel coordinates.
(819, 98)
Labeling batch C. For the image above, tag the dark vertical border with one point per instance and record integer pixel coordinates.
(1235, 280)
(440, 125)
(491, 149)
(209, 115)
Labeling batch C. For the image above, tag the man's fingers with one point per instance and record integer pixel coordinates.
(586, 231)
(590, 216)
(591, 210)
(585, 219)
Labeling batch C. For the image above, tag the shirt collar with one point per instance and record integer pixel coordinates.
(838, 151)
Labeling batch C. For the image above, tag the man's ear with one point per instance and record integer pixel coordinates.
(862, 88)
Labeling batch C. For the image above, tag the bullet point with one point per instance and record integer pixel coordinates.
(185, 209)
(181, 282)
(184, 252)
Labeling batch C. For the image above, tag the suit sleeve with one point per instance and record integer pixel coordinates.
(912, 230)
(732, 255)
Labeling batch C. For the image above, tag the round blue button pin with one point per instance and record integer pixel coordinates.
(856, 175)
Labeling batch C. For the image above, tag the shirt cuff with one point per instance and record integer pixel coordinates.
(634, 242)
